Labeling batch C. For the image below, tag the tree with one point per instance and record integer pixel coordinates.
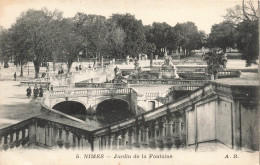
(115, 39)
(159, 34)
(6, 52)
(215, 61)
(248, 41)
(134, 41)
(20, 46)
(71, 41)
(151, 49)
(245, 17)
(187, 37)
(222, 35)
(34, 23)
(246, 11)
(202, 42)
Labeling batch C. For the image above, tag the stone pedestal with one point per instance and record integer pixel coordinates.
(169, 72)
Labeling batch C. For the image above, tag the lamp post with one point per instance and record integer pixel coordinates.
(28, 67)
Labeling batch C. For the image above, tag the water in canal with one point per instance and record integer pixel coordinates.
(107, 112)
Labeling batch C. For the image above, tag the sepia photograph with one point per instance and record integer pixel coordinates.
(125, 82)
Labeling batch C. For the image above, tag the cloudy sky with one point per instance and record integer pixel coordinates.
(204, 13)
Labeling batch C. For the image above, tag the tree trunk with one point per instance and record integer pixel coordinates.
(215, 75)
(21, 73)
(151, 60)
(69, 67)
(36, 68)
(53, 65)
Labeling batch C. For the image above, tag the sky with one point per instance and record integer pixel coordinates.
(204, 13)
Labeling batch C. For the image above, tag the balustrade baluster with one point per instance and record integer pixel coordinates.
(123, 141)
(116, 141)
(79, 142)
(102, 142)
(168, 137)
(67, 142)
(17, 142)
(130, 137)
(152, 143)
(108, 142)
(23, 138)
(11, 144)
(74, 141)
(1, 143)
(60, 140)
(160, 143)
(49, 135)
(145, 137)
(177, 140)
(5, 146)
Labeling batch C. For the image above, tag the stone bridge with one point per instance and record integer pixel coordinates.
(92, 99)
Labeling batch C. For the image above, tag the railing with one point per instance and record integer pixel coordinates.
(152, 95)
(90, 92)
(101, 85)
(184, 63)
(15, 135)
(162, 127)
(229, 74)
(184, 88)
(169, 82)
(44, 132)
(191, 69)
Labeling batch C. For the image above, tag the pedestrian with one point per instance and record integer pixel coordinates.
(80, 67)
(62, 71)
(51, 87)
(14, 76)
(59, 72)
(77, 68)
(35, 92)
(29, 92)
(40, 92)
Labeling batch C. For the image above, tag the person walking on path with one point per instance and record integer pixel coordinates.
(14, 76)
(29, 92)
(40, 92)
(35, 92)
(51, 87)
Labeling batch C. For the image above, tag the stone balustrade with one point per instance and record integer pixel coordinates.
(198, 83)
(89, 92)
(177, 124)
(229, 74)
(152, 95)
(42, 132)
(16, 135)
(101, 85)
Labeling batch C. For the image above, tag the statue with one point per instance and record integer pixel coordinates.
(168, 70)
(116, 71)
(127, 60)
(167, 60)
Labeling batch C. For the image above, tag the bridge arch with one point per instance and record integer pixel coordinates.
(113, 110)
(72, 108)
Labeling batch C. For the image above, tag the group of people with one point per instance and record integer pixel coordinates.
(60, 71)
(37, 92)
(78, 68)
